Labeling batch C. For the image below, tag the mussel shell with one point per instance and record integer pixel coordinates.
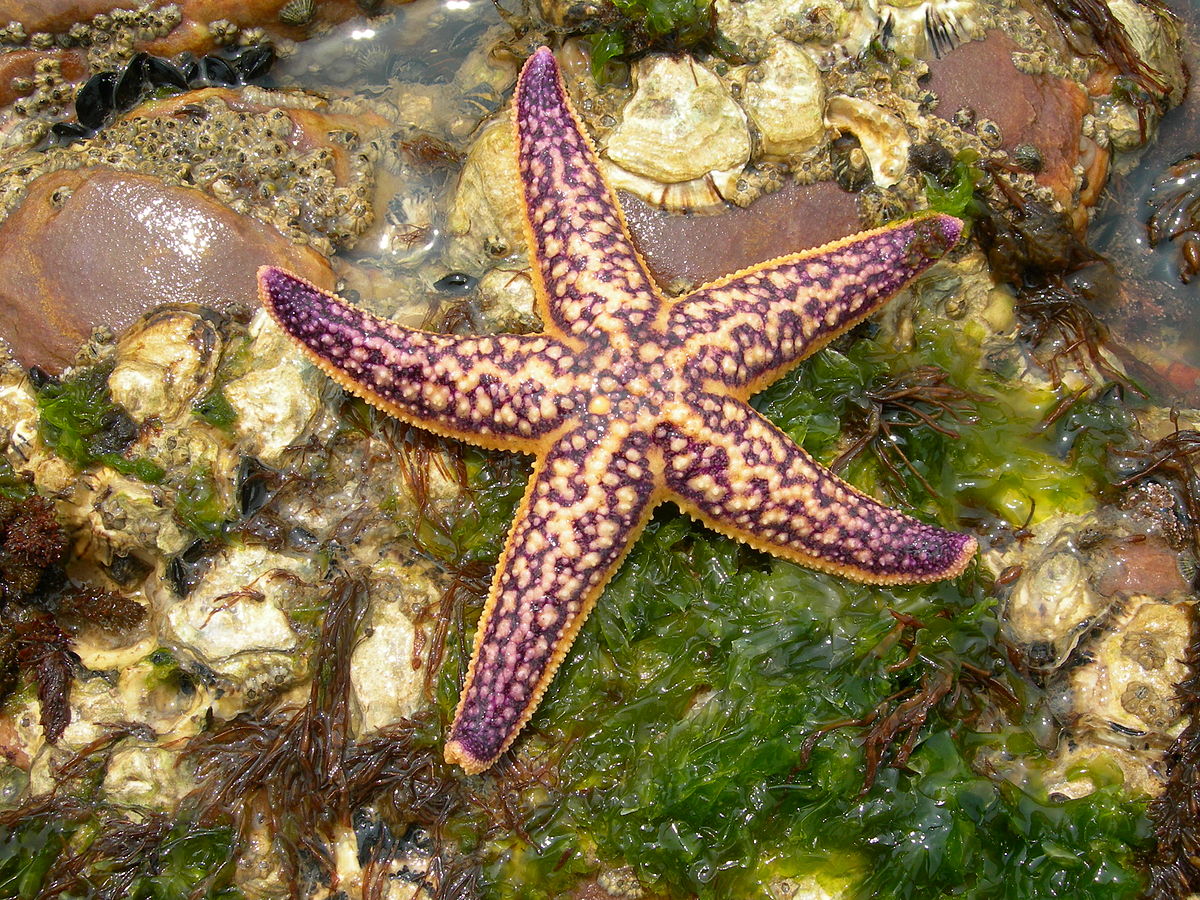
(94, 102)
(160, 73)
(129, 86)
(215, 70)
(63, 133)
(254, 62)
(455, 283)
(189, 68)
(256, 485)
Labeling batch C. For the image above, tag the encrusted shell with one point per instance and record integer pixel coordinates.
(486, 216)
(925, 28)
(1128, 689)
(278, 398)
(1155, 37)
(235, 620)
(682, 140)
(784, 96)
(164, 362)
(385, 686)
(1052, 606)
(882, 136)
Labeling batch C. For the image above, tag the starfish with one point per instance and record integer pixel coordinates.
(627, 398)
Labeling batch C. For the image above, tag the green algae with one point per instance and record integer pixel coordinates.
(676, 728)
(70, 855)
(199, 505)
(639, 25)
(81, 424)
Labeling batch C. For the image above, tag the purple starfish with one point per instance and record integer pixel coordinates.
(627, 398)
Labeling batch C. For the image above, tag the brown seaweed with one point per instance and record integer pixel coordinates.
(918, 397)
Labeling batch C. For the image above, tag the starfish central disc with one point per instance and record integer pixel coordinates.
(627, 398)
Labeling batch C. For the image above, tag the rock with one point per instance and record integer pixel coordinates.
(693, 249)
(95, 247)
(1139, 566)
(1042, 110)
(22, 63)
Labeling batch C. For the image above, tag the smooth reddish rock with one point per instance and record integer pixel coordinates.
(1042, 110)
(698, 248)
(94, 247)
(1140, 566)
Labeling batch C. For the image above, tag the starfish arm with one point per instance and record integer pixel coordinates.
(746, 330)
(741, 476)
(588, 499)
(586, 272)
(500, 391)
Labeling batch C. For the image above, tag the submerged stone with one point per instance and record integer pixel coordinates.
(95, 247)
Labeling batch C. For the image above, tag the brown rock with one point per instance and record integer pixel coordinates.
(91, 247)
(696, 249)
(1041, 110)
(1139, 566)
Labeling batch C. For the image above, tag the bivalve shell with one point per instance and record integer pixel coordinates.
(681, 126)
(164, 362)
(882, 136)
(785, 98)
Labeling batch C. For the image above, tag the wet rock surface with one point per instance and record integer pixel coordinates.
(175, 246)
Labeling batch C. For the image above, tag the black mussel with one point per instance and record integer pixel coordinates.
(256, 484)
(254, 62)
(301, 540)
(162, 74)
(215, 70)
(933, 158)
(128, 89)
(94, 102)
(189, 68)
(455, 283)
(40, 378)
(185, 570)
(63, 133)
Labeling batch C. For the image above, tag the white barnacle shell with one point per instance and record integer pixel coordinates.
(784, 96)
(682, 140)
(881, 134)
